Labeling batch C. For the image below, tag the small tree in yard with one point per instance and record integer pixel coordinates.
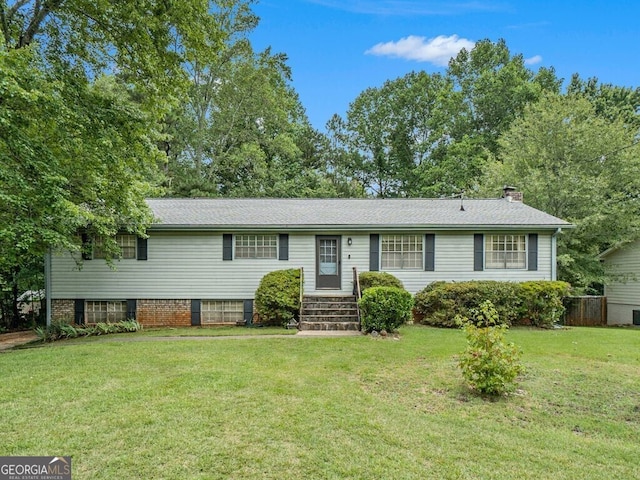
(489, 365)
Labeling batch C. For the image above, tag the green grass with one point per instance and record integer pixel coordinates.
(193, 332)
(353, 407)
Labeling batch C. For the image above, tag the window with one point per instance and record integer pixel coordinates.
(256, 246)
(101, 311)
(221, 311)
(402, 252)
(126, 243)
(506, 251)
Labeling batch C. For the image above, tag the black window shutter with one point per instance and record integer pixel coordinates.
(283, 246)
(87, 253)
(429, 252)
(131, 309)
(374, 252)
(533, 251)
(478, 252)
(142, 248)
(227, 246)
(78, 308)
(195, 313)
(248, 312)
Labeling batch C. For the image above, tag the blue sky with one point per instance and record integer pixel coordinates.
(338, 48)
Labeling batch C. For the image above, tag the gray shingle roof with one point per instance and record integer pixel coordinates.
(305, 214)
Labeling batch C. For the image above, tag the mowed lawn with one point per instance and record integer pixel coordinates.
(325, 408)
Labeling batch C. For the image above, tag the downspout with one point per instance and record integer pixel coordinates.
(47, 285)
(554, 254)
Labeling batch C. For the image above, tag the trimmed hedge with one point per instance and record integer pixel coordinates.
(378, 279)
(537, 303)
(278, 297)
(385, 308)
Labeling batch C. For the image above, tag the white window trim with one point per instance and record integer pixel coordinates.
(488, 239)
(418, 237)
(110, 311)
(270, 237)
(122, 239)
(230, 312)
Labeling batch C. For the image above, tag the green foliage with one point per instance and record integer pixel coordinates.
(578, 165)
(78, 145)
(278, 297)
(378, 279)
(537, 303)
(489, 365)
(385, 308)
(62, 330)
(440, 302)
(542, 302)
(432, 134)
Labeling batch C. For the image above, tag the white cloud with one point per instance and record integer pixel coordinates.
(533, 60)
(438, 50)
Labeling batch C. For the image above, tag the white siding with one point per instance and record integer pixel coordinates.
(623, 295)
(190, 266)
(454, 262)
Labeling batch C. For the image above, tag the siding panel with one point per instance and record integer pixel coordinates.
(623, 295)
(190, 266)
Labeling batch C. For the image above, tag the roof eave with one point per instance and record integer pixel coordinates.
(368, 227)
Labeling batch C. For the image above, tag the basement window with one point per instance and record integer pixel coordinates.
(221, 311)
(105, 311)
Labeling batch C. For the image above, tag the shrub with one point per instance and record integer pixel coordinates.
(542, 302)
(378, 279)
(439, 303)
(489, 365)
(537, 303)
(61, 330)
(385, 308)
(278, 297)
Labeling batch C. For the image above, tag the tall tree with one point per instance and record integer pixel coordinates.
(573, 164)
(431, 135)
(611, 102)
(75, 151)
(392, 130)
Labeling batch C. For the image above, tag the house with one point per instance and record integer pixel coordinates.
(623, 291)
(204, 258)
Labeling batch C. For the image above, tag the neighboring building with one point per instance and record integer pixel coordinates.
(623, 292)
(204, 258)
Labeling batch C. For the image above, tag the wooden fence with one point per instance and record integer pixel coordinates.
(585, 311)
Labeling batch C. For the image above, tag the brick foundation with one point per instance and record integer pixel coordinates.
(62, 310)
(150, 313)
(164, 313)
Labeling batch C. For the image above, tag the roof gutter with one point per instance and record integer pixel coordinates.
(355, 228)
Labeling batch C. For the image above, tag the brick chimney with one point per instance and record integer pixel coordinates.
(511, 194)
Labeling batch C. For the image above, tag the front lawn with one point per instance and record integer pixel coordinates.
(351, 407)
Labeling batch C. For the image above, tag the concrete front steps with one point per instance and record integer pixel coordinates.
(329, 313)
